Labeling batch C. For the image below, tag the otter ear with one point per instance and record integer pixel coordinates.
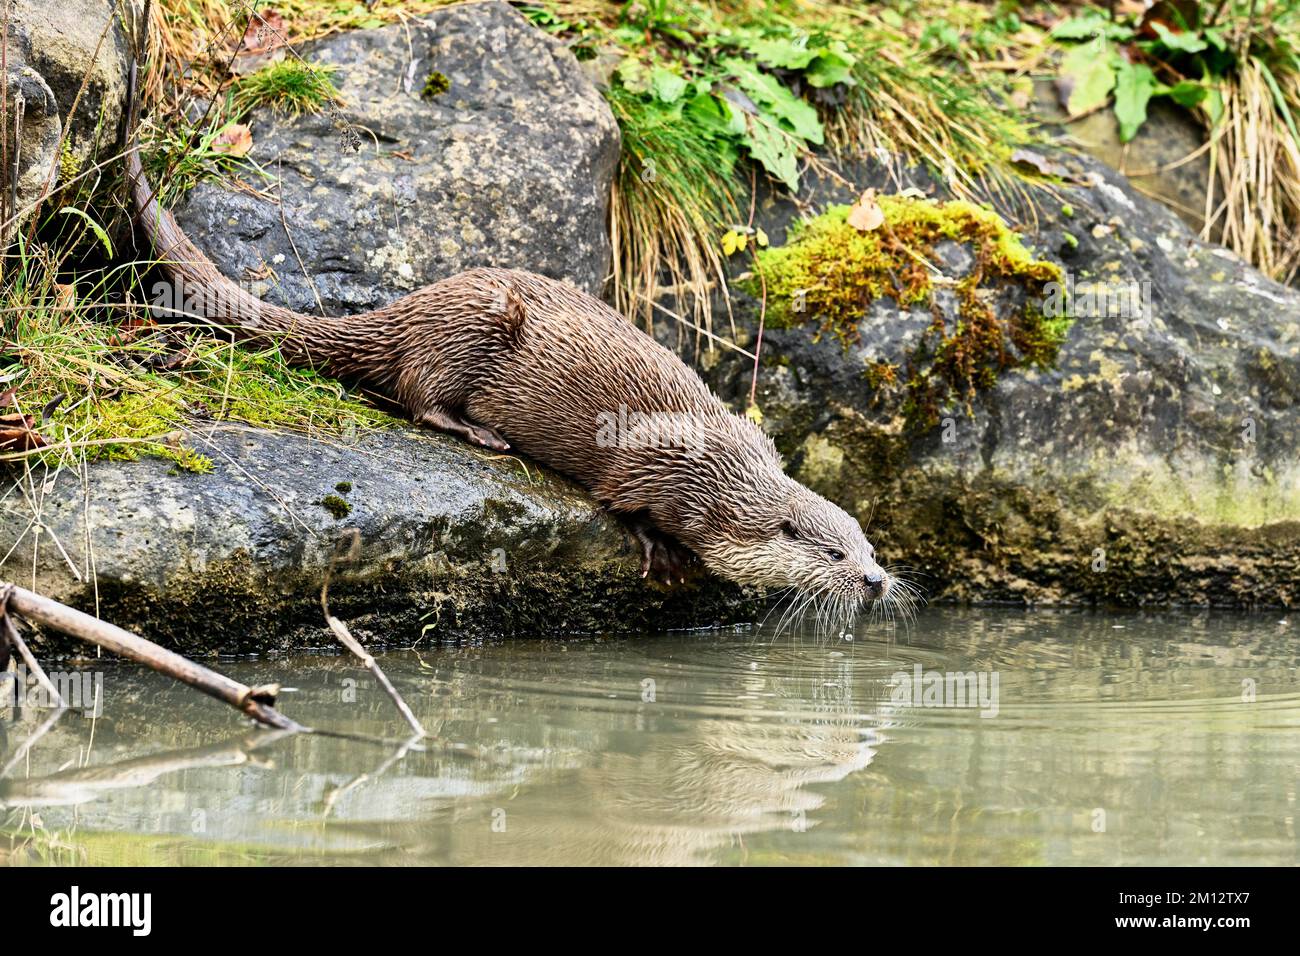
(789, 530)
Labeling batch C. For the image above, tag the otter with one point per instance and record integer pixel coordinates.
(508, 359)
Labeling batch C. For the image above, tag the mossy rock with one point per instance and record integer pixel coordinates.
(830, 271)
(1148, 456)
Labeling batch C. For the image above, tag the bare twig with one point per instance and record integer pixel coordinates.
(351, 643)
(289, 235)
(762, 309)
(255, 702)
(698, 328)
(17, 643)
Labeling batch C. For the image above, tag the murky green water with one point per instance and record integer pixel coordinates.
(1116, 739)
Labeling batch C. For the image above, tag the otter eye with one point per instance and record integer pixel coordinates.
(835, 555)
(789, 530)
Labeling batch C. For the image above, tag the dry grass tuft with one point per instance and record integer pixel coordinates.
(1253, 203)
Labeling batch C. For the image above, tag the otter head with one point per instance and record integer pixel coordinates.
(795, 538)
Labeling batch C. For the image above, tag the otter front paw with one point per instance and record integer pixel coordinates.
(662, 558)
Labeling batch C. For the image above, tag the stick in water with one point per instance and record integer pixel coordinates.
(254, 701)
(18, 644)
(351, 643)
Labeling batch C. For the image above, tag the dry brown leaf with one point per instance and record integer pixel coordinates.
(866, 214)
(266, 31)
(1030, 161)
(1173, 15)
(1037, 162)
(65, 295)
(262, 44)
(16, 433)
(235, 140)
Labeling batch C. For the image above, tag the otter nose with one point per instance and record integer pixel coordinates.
(875, 581)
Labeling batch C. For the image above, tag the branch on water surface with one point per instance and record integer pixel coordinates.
(340, 631)
(256, 702)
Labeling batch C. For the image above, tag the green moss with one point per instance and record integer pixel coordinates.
(133, 390)
(435, 85)
(830, 272)
(343, 487)
(882, 374)
(336, 506)
(68, 165)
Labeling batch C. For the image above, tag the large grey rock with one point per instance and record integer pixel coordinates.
(511, 166)
(454, 543)
(61, 53)
(1158, 463)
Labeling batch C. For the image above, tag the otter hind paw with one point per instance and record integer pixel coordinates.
(445, 421)
(487, 437)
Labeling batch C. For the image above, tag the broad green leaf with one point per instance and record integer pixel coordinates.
(831, 66)
(1134, 85)
(1090, 67)
(1187, 93)
(667, 85)
(1079, 28)
(780, 52)
(716, 115)
(775, 151)
(941, 34)
(1214, 106)
(1183, 42)
(793, 114)
(632, 73)
(1091, 24)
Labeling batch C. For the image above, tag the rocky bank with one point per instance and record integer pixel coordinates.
(1155, 463)
(1158, 461)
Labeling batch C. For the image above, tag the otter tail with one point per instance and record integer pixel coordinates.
(198, 289)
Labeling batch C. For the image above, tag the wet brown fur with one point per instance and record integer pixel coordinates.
(502, 356)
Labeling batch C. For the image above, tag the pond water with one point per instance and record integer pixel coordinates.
(1083, 738)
